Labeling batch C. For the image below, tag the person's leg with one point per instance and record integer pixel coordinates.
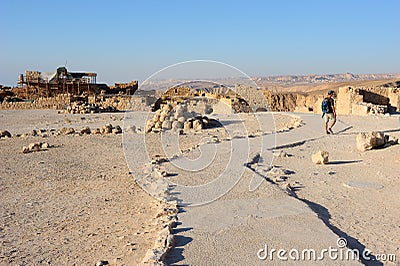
(326, 123)
(333, 122)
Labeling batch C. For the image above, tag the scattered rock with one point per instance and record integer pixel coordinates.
(86, 108)
(117, 130)
(281, 154)
(321, 157)
(102, 263)
(368, 141)
(5, 134)
(106, 129)
(36, 146)
(85, 130)
(44, 146)
(96, 131)
(197, 125)
(67, 131)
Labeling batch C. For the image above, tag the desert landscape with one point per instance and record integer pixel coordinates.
(196, 176)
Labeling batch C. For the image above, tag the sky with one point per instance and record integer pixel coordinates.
(131, 40)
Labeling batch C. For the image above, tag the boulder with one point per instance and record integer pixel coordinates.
(368, 141)
(85, 130)
(176, 125)
(67, 131)
(25, 149)
(181, 119)
(321, 157)
(44, 146)
(96, 131)
(167, 125)
(117, 130)
(149, 125)
(187, 125)
(107, 129)
(5, 134)
(34, 146)
(197, 125)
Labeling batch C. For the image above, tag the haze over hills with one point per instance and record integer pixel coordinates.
(324, 78)
(284, 82)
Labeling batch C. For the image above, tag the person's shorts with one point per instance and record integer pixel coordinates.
(329, 116)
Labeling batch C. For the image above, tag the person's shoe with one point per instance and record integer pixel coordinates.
(330, 130)
(327, 132)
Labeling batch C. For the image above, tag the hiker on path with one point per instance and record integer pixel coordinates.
(329, 111)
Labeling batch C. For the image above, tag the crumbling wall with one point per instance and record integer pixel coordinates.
(364, 101)
(58, 102)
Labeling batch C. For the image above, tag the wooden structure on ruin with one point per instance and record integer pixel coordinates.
(35, 84)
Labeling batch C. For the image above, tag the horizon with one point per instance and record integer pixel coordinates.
(127, 41)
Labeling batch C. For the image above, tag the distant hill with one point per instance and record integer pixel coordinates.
(289, 80)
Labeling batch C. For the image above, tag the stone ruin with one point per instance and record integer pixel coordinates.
(176, 118)
(364, 101)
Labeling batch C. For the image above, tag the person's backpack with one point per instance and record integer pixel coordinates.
(326, 106)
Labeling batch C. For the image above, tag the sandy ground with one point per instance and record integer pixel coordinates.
(74, 204)
(77, 203)
(356, 194)
(354, 197)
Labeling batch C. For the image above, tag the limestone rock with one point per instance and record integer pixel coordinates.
(176, 125)
(5, 134)
(181, 119)
(187, 125)
(106, 129)
(321, 157)
(368, 141)
(117, 130)
(85, 130)
(102, 263)
(67, 131)
(44, 146)
(96, 131)
(197, 125)
(167, 125)
(34, 146)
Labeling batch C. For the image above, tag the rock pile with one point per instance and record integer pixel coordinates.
(167, 118)
(106, 129)
(321, 157)
(86, 108)
(374, 139)
(35, 146)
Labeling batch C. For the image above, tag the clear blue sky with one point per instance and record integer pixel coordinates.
(127, 40)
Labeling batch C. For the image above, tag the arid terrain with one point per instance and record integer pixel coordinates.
(77, 189)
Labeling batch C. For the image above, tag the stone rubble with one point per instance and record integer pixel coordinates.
(175, 119)
(36, 146)
(86, 108)
(368, 141)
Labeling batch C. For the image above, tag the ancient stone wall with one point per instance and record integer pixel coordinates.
(58, 102)
(62, 101)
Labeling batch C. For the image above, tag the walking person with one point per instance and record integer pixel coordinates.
(329, 111)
